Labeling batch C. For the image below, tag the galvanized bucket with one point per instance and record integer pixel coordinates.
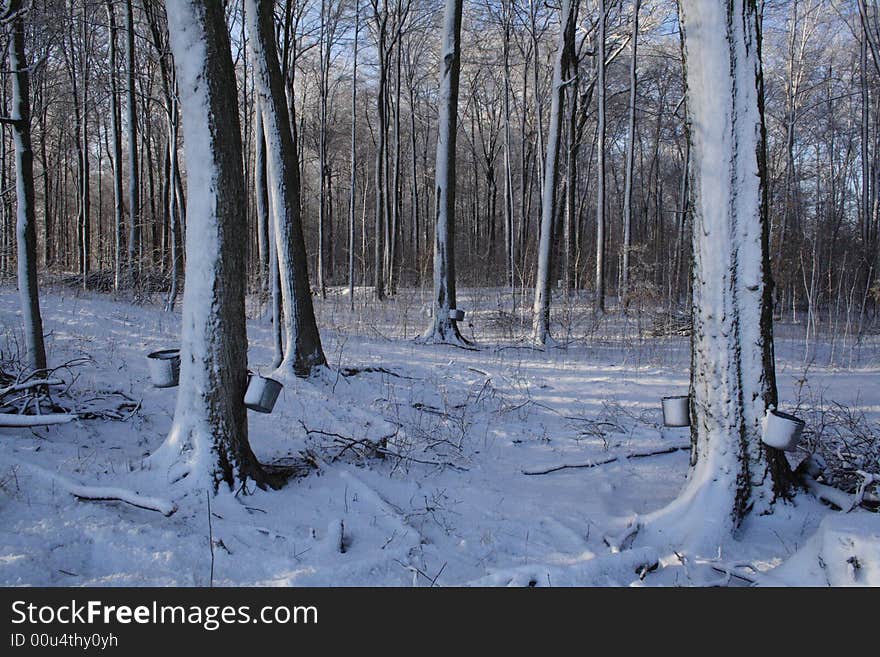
(164, 367)
(782, 431)
(261, 394)
(676, 411)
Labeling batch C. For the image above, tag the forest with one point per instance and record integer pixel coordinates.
(440, 292)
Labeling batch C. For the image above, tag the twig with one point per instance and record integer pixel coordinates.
(210, 537)
(609, 459)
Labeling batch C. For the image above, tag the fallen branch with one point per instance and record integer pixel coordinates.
(27, 385)
(842, 500)
(106, 493)
(609, 459)
(17, 420)
(354, 371)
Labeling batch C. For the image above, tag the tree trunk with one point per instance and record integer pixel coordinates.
(381, 132)
(116, 137)
(541, 310)
(210, 422)
(353, 163)
(85, 198)
(302, 350)
(444, 327)
(172, 207)
(134, 218)
(600, 163)
(732, 372)
(509, 261)
(25, 226)
(630, 156)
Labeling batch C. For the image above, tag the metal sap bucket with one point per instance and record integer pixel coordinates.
(782, 431)
(262, 393)
(456, 314)
(677, 411)
(164, 367)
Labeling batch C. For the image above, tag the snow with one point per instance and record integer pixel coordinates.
(481, 417)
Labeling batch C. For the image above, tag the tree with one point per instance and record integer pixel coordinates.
(600, 162)
(134, 218)
(352, 192)
(116, 138)
(630, 157)
(25, 230)
(331, 14)
(444, 328)
(732, 372)
(302, 349)
(549, 207)
(209, 434)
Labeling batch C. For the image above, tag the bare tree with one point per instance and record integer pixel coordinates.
(733, 473)
(600, 161)
(541, 310)
(25, 230)
(352, 193)
(116, 138)
(302, 349)
(209, 437)
(444, 327)
(630, 158)
(134, 217)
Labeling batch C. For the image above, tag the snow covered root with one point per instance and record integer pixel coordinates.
(102, 493)
(619, 569)
(844, 551)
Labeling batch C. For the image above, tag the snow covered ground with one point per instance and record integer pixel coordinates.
(458, 508)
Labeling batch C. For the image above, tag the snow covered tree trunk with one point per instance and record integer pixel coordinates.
(541, 309)
(732, 377)
(630, 156)
(208, 443)
(302, 349)
(444, 328)
(25, 225)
